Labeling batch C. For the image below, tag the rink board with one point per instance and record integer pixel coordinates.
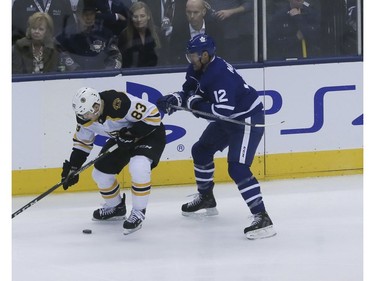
(322, 106)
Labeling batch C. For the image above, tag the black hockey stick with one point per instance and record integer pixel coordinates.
(84, 167)
(223, 118)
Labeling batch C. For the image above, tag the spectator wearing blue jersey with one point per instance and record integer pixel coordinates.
(214, 86)
(90, 45)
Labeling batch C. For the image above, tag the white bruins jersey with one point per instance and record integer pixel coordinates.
(120, 110)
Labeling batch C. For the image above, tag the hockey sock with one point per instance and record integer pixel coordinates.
(140, 171)
(108, 187)
(204, 168)
(248, 186)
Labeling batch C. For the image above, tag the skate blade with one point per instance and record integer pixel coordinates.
(129, 231)
(119, 218)
(201, 213)
(265, 232)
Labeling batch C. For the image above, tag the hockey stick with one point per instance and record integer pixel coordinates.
(84, 167)
(223, 118)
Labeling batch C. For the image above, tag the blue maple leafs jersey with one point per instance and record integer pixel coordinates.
(224, 91)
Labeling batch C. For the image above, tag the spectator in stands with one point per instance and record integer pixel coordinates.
(196, 21)
(169, 17)
(114, 14)
(236, 22)
(36, 52)
(59, 10)
(139, 41)
(293, 31)
(91, 46)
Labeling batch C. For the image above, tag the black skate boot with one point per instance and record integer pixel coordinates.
(261, 227)
(204, 202)
(111, 213)
(134, 221)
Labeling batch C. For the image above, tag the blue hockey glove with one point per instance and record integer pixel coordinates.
(125, 139)
(193, 100)
(164, 103)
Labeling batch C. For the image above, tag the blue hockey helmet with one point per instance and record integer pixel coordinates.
(201, 43)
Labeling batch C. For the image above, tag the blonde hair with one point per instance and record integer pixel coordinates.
(35, 20)
(150, 24)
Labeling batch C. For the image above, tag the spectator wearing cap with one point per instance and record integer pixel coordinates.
(90, 45)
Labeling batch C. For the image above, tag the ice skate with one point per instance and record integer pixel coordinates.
(261, 227)
(111, 213)
(134, 221)
(202, 205)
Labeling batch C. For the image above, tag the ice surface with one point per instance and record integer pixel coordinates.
(319, 224)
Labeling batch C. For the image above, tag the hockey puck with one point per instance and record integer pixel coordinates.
(87, 231)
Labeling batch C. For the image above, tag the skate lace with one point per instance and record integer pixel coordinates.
(135, 215)
(257, 219)
(196, 200)
(106, 210)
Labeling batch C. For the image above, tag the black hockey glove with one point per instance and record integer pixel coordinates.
(164, 103)
(77, 158)
(125, 139)
(67, 175)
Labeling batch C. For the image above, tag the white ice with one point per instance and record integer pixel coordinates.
(319, 224)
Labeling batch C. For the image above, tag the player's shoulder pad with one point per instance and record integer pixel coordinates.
(116, 104)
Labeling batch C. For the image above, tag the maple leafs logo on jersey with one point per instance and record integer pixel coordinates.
(116, 104)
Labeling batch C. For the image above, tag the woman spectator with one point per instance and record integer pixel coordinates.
(139, 41)
(36, 52)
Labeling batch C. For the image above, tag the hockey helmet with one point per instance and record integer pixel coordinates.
(201, 43)
(84, 101)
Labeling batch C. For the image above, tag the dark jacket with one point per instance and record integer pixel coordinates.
(109, 15)
(22, 57)
(181, 36)
(60, 11)
(282, 29)
(138, 54)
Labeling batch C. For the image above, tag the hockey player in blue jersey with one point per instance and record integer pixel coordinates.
(213, 86)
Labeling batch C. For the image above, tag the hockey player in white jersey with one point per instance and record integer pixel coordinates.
(213, 86)
(135, 125)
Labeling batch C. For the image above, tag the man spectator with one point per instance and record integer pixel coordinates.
(168, 16)
(114, 13)
(59, 10)
(236, 22)
(293, 31)
(196, 21)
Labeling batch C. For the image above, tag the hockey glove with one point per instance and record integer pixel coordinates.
(125, 139)
(67, 176)
(164, 103)
(193, 100)
(77, 158)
